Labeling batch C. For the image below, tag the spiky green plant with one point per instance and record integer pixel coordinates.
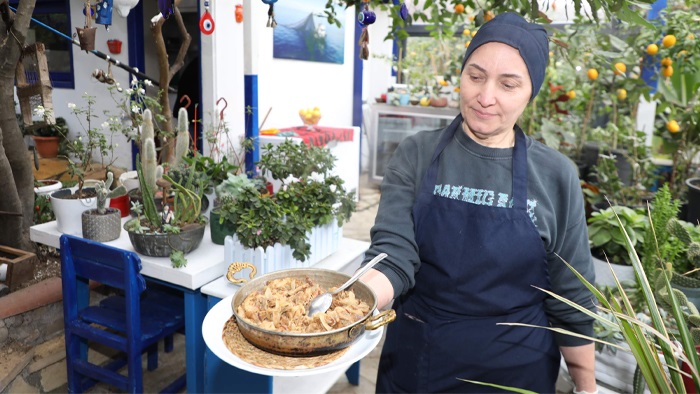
(103, 192)
(182, 143)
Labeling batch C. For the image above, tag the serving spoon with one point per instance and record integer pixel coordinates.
(323, 301)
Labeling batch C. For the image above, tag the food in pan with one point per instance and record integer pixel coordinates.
(282, 306)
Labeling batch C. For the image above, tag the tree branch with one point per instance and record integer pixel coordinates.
(186, 39)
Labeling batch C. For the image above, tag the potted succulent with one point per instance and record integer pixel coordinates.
(103, 224)
(223, 215)
(179, 228)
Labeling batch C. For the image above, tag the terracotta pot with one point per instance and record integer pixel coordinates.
(438, 102)
(46, 147)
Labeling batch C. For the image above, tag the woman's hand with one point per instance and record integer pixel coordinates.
(581, 363)
(381, 286)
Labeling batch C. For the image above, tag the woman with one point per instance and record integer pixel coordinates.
(474, 217)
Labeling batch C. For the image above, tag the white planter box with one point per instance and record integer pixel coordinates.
(324, 241)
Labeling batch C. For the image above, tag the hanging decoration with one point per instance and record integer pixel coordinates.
(104, 76)
(166, 7)
(239, 13)
(86, 34)
(206, 22)
(104, 13)
(34, 86)
(124, 6)
(271, 22)
(365, 18)
(403, 9)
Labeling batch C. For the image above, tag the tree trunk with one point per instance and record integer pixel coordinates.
(16, 177)
(167, 72)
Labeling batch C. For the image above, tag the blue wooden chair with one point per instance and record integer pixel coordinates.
(133, 323)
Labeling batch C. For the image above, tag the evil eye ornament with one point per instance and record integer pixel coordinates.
(104, 13)
(403, 11)
(206, 23)
(366, 17)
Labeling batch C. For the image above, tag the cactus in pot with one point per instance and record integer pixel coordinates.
(676, 228)
(103, 224)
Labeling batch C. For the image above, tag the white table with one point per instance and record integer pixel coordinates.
(204, 264)
(224, 378)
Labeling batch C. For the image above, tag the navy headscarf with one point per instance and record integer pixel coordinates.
(530, 39)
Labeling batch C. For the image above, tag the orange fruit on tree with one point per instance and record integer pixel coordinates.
(592, 74)
(571, 94)
(667, 71)
(473, 33)
(673, 126)
(621, 94)
(669, 41)
(620, 68)
(666, 61)
(466, 44)
(691, 36)
(459, 8)
(652, 49)
(466, 32)
(488, 15)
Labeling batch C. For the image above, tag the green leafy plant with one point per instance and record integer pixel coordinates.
(659, 244)
(59, 129)
(42, 209)
(606, 236)
(295, 159)
(104, 191)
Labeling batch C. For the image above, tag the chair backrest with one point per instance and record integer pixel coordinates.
(102, 263)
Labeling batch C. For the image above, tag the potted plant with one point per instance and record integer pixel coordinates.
(103, 224)
(179, 228)
(68, 204)
(300, 223)
(47, 138)
(607, 241)
(222, 218)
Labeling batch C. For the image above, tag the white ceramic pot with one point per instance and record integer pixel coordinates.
(69, 211)
(49, 186)
(130, 180)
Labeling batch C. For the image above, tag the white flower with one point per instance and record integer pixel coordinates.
(333, 188)
(80, 138)
(134, 81)
(39, 111)
(142, 91)
(316, 177)
(135, 109)
(285, 187)
(147, 82)
(290, 179)
(71, 105)
(129, 91)
(105, 125)
(117, 84)
(116, 145)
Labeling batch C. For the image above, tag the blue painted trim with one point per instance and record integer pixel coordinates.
(251, 121)
(358, 67)
(395, 55)
(651, 64)
(195, 311)
(200, 107)
(134, 28)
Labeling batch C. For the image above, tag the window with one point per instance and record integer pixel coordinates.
(59, 53)
(423, 57)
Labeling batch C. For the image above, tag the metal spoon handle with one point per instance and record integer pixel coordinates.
(361, 272)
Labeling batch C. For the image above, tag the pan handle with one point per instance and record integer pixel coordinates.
(237, 267)
(380, 319)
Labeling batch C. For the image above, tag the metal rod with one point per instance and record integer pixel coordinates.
(97, 53)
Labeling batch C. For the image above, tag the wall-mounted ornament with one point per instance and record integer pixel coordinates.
(206, 22)
(271, 22)
(114, 46)
(239, 13)
(124, 6)
(365, 18)
(104, 13)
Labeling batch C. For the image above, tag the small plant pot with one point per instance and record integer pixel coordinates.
(86, 36)
(115, 46)
(102, 227)
(161, 245)
(48, 186)
(46, 147)
(438, 102)
(219, 231)
(69, 211)
(121, 203)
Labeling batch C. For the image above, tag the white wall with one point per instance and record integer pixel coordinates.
(287, 86)
(83, 65)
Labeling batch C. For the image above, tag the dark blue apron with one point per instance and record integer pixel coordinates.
(478, 266)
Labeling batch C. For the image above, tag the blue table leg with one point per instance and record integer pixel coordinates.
(195, 310)
(353, 374)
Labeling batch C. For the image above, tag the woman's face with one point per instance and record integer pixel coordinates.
(494, 91)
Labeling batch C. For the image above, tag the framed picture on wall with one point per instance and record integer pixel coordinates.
(303, 33)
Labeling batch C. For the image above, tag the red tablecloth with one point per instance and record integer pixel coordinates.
(317, 135)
